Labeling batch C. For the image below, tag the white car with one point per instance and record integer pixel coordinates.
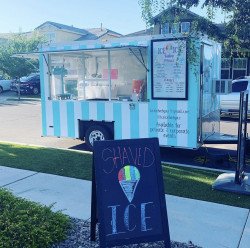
(229, 104)
(4, 84)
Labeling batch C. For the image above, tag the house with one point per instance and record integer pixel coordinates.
(56, 32)
(179, 20)
(148, 31)
(4, 37)
(167, 22)
(176, 20)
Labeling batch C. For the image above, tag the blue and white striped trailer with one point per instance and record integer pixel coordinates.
(135, 87)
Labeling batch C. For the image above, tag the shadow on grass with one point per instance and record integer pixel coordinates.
(52, 161)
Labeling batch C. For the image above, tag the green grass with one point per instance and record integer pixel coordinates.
(28, 224)
(179, 181)
(52, 161)
(197, 184)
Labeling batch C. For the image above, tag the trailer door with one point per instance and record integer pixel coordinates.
(208, 100)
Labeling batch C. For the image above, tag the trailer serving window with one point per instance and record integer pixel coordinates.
(115, 74)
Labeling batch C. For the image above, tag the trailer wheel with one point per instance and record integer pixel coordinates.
(96, 133)
(35, 91)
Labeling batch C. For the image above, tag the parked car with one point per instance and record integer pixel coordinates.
(229, 104)
(4, 84)
(28, 85)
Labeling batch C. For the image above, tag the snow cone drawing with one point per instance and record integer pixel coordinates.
(129, 177)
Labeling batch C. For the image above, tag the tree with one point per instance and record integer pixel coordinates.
(236, 36)
(17, 67)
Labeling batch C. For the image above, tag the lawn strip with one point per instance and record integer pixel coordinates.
(46, 160)
(179, 181)
(197, 184)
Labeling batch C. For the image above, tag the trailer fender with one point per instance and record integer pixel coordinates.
(91, 131)
(96, 133)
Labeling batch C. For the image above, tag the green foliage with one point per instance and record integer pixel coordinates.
(238, 30)
(18, 67)
(27, 224)
(235, 37)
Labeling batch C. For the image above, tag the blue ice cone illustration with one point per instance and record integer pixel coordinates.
(129, 177)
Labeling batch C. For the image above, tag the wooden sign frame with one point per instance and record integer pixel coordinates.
(97, 201)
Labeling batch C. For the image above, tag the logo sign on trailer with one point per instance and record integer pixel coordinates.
(129, 191)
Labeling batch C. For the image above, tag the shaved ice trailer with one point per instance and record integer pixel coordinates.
(137, 87)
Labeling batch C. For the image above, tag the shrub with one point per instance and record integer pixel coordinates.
(28, 224)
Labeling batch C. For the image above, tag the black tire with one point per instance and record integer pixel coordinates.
(96, 133)
(35, 91)
(1, 89)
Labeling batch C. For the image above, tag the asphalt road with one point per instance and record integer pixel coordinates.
(21, 122)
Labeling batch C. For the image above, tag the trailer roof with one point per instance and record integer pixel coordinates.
(93, 44)
(75, 46)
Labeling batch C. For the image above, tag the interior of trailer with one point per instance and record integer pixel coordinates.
(115, 74)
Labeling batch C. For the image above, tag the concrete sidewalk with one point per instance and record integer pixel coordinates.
(206, 224)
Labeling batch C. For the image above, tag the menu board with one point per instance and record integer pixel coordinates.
(130, 195)
(169, 69)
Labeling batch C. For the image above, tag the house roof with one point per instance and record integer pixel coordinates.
(64, 27)
(86, 34)
(144, 32)
(205, 25)
(221, 27)
(187, 14)
(96, 33)
(102, 31)
(6, 36)
(166, 12)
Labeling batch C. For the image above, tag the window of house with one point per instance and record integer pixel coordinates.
(118, 74)
(225, 63)
(175, 28)
(225, 68)
(165, 28)
(50, 37)
(185, 27)
(225, 74)
(239, 63)
(239, 67)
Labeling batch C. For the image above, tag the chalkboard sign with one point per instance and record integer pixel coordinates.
(129, 191)
(169, 69)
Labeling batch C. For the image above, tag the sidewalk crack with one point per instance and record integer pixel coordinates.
(243, 228)
(20, 179)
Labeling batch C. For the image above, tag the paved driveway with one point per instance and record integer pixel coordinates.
(21, 122)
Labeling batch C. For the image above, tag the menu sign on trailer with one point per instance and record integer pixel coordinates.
(128, 197)
(169, 69)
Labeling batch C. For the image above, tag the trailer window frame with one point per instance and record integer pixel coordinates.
(63, 96)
